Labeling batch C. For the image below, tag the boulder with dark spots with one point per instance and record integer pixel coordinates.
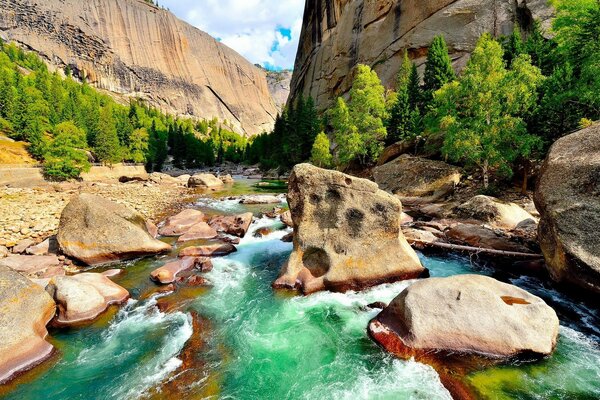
(346, 234)
(25, 310)
(199, 231)
(82, 298)
(568, 199)
(416, 179)
(466, 314)
(95, 230)
(179, 224)
(210, 250)
(236, 225)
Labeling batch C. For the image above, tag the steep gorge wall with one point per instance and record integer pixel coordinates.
(132, 48)
(339, 34)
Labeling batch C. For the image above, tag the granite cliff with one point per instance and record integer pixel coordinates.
(339, 34)
(131, 48)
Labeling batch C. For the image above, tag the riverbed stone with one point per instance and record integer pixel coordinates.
(30, 265)
(94, 231)
(260, 199)
(236, 225)
(198, 231)
(82, 298)
(286, 218)
(483, 237)
(22, 246)
(205, 181)
(25, 310)
(168, 273)
(411, 177)
(467, 314)
(568, 199)
(209, 250)
(490, 210)
(226, 179)
(50, 245)
(179, 224)
(346, 234)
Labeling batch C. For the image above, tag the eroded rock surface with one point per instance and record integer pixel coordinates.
(94, 230)
(568, 199)
(346, 234)
(468, 314)
(25, 309)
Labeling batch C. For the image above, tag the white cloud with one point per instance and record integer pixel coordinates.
(266, 32)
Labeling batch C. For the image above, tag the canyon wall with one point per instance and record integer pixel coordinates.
(131, 48)
(339, 34)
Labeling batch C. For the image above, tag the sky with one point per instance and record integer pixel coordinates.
(266, 32)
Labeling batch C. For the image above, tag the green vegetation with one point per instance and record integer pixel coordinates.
(62, 119)
(320, 154)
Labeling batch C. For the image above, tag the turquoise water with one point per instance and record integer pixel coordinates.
(260, 344)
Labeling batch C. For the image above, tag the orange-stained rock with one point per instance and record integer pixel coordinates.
(181, 223)
(210, 250)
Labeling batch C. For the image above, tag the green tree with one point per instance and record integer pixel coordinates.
(513, 46)
(138, 145)
(106, 146)
(480, 114)
(320, 153)
(347, 138)
(438, 70)
(404, 112)
(65, 157)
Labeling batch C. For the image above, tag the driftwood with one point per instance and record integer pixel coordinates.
(471, 249)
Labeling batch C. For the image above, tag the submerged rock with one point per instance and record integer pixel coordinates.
(94, 230)
(179, 224)
(168, 272)
(409, 177)
(82, 298)
(236, 225)
(210, 250)
(346, 234)
(205, 181)
(26, 309)
(568, 199)
(495, 212)
(468, 314)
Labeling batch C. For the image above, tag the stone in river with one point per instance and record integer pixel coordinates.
(260, 199)
(205, 181)
(201, 230)
(26, 309)
(210, 250)
(466, 314)
(168, 272)
(94, 231)
(82, 298)
(347, 234)
(490, 210)
(236, 225)
(179, 224)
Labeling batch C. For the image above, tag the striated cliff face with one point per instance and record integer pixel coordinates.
(279, 86)
(132, 48)
(339, 34)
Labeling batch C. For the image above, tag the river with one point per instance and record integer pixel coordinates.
(240, 339)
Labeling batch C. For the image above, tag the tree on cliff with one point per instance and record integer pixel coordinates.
(320, 154)
(358, 126)
(107, 148)
(480, 114)
(65, 157)
(438, 70)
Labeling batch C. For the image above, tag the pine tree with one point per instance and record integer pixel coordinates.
(65, 157)
(106, 145)
(513, 46)
(438, 70)
(400, 121)
(320, 153)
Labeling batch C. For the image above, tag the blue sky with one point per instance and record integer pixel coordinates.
(266, 32)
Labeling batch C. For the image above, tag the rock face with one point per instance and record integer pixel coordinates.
(495, 212)
(134, 49)
(346, 234)
(279, 86)
(205, 181)
(469, 314)
(82, 298)
(568, 199)
(25, 310)
(339, 34)
(409, 177)
(94, 230)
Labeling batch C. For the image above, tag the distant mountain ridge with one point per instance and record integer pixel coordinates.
(132, 48)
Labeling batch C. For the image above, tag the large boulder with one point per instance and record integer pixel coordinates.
(199, 231)
(236, 225)
(26, 309)
(94, 230)
(485, 238)
(346, 234)
(497, 213)
(205, 181)
(179, 224)
(466, 314)
(568, 199)
(82, 298)
(409, 177)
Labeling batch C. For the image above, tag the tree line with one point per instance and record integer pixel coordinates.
(68, 124)
(514, 98)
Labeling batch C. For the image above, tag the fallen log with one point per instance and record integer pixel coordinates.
(471, 249)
